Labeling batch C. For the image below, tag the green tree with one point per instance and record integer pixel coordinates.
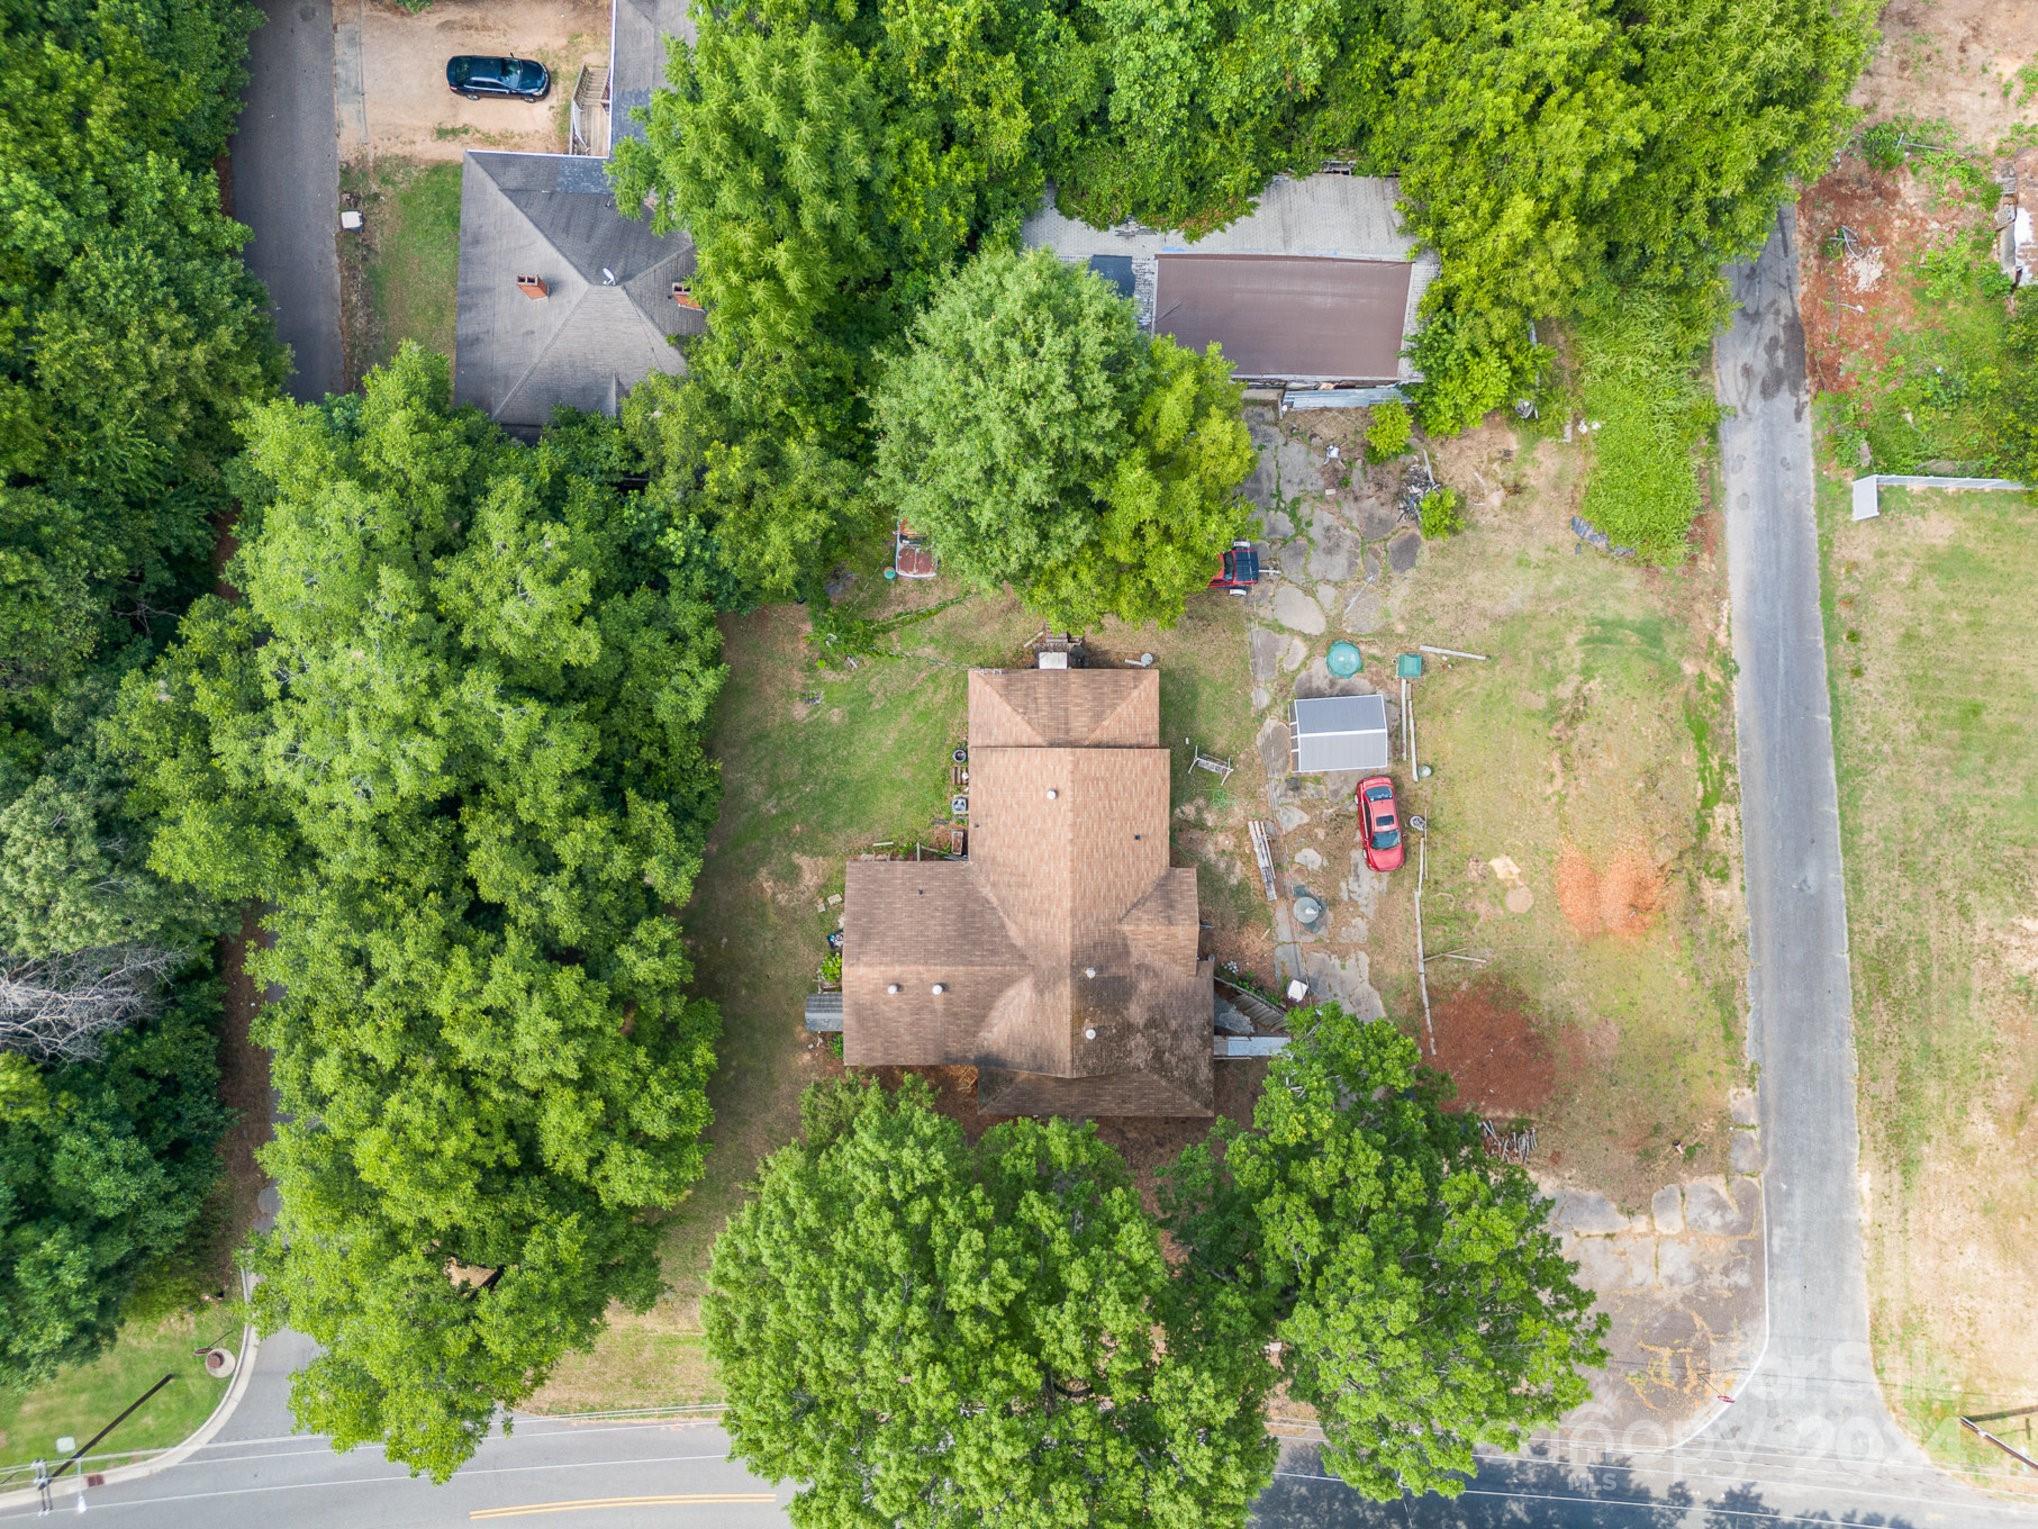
(1389, 431)
(130, 332)
(1040, 440)
(831, 163)
(453, 733)
(1199, 103)
(924, 1333)
(104, 1170)
(1422, 1302)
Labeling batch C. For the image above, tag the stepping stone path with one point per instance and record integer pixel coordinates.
(1297, 612)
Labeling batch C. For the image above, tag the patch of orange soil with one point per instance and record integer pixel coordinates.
(1496, 1054)
(1623, 898)
(1853, 303)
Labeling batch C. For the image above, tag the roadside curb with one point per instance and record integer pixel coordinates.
(74, 1483)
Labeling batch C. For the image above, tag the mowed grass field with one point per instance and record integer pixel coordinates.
(820, 765)
(400, 272)
(1592, 757)
(1935, 706)
(81, 1401)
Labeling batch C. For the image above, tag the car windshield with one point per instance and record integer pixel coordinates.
(459, 70)
(1380, 794)
(522, 74)
(1386, 838)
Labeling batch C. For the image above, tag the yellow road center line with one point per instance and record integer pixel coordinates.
(659, 1500)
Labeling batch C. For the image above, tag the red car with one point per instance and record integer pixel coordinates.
(1239, 569)
(1380, 825)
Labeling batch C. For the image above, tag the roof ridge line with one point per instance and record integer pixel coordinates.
(544, 351)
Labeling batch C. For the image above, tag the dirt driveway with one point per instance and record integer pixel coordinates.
(391, 74)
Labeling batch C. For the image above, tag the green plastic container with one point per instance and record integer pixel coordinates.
(1408, 666)
(1343, 659)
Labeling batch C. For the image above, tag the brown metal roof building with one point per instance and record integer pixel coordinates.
(1060, 958)
(1319, 285)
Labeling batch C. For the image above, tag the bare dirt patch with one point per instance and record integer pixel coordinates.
(1854, 303)
(398, 102)
(1495, 1050)
(1958, 61)
(1623, 898)
(244, 1089)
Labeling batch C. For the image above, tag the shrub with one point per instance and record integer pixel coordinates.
(1882, 145)
(1651, 410)
(1443, 513)
(1389, 432)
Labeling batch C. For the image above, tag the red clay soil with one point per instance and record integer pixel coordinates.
(1852, 305)
(1489, 1043)
(1622, 899)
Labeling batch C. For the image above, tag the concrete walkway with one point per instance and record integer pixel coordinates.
(286, 186)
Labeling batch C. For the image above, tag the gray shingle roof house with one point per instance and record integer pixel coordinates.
(600, 315)
(1317, 285)
(563, 301)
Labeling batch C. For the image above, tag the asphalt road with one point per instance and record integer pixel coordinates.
(286, 186)
(618, 1475)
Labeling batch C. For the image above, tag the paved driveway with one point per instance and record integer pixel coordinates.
(286, 177)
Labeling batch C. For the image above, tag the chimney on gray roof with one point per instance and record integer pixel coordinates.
(533, 287)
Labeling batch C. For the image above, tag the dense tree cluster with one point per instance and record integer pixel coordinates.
(452, 734)
(928, 1333)
(835, 163)
(104, 1168)
(130, 338)
(1042, 441)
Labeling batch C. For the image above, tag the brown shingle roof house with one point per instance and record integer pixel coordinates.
(1060, 958)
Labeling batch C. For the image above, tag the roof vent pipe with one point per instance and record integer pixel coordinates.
(892, 988)
(1090, 1034)
(938, 989)
(1090, 971)
(1052, 794)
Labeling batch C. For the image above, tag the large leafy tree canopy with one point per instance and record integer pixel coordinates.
(130, 333)
(130, 337)
(926, 1333)
(1043, 441)
(452, 733)
(1422, 1302)
(833, 162)
(104, 1168)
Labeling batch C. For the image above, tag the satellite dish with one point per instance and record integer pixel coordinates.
(608, 277)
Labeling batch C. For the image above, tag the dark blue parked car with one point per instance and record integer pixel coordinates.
(518, 79)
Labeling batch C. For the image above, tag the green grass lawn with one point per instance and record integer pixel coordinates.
(819, 765)
(1584, 753)
(1935, 729)
(403, 267)
(81, 1401)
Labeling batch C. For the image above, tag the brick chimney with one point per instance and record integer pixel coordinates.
(533, 287)
(682, 293)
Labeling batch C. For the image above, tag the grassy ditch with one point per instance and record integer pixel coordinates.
(81, 1401)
